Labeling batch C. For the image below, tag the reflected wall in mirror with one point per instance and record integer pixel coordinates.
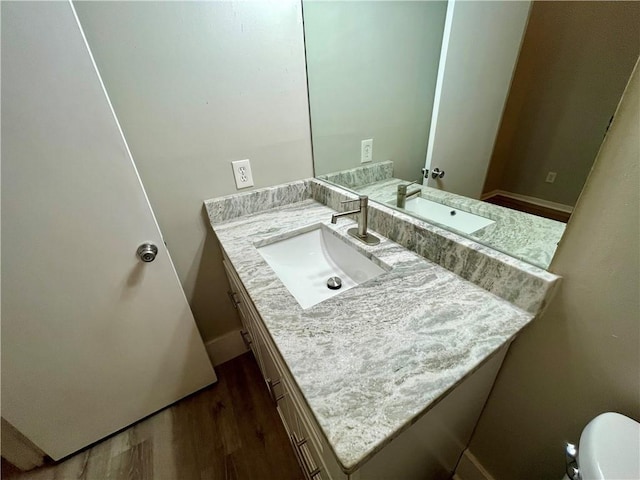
(372, 70)
(510, 99)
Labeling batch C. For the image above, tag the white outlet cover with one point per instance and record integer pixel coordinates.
(551, 177)
(242, 173)
(366, 150)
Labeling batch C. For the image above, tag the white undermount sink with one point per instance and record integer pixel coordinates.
(454, 218)
(306, 259)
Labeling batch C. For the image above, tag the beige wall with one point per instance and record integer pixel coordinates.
(195, 86)
(575, 61)
(582, 357)
(372, 73)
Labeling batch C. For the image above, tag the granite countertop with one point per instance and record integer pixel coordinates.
(527, 237)
(373, 359)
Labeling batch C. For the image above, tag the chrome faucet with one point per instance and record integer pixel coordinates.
(402, 196)
(361, 232)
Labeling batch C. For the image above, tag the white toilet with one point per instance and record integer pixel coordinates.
(609, 450)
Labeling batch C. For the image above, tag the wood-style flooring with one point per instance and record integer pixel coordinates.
(229, 431)
(527, 207)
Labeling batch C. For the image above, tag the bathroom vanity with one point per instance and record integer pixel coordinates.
(388, 378)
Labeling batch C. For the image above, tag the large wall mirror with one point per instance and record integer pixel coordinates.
(481, 117)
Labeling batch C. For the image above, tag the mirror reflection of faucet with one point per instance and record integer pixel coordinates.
(403, 194)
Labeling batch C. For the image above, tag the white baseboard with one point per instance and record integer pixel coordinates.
(533, 200)
(225, 347)
(469, 468)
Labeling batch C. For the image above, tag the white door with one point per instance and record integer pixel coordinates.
(92, 338)
(480, 49)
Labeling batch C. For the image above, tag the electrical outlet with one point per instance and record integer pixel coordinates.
(242, 173)
(366, 150)
(551, 177)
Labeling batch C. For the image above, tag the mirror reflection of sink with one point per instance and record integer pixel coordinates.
(460, 220)
(306, 259)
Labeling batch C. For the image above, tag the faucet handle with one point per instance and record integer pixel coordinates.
(361, 199)
(402, 187)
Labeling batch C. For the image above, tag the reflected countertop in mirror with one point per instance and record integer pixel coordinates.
(527, 237)
(491, 93)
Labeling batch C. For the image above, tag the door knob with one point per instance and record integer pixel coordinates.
(147, 252)
(437, 173)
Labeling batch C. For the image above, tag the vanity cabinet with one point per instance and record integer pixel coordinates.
(427, 449)
(303, 433)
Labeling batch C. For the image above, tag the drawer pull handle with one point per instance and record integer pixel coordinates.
(270, 384)
(309, 473)
(246, 338)
(233, 299)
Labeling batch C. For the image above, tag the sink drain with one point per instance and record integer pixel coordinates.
(334, 283)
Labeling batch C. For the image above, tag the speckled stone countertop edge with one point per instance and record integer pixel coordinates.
(527, 286)
(224, 208)
(521, 283)
(353, 452)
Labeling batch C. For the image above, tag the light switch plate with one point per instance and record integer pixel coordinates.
(242, 173)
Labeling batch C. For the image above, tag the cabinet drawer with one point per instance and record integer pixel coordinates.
(308, 458)
(315, 441)
(236, 291)
(314, 455)
(240, 300)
